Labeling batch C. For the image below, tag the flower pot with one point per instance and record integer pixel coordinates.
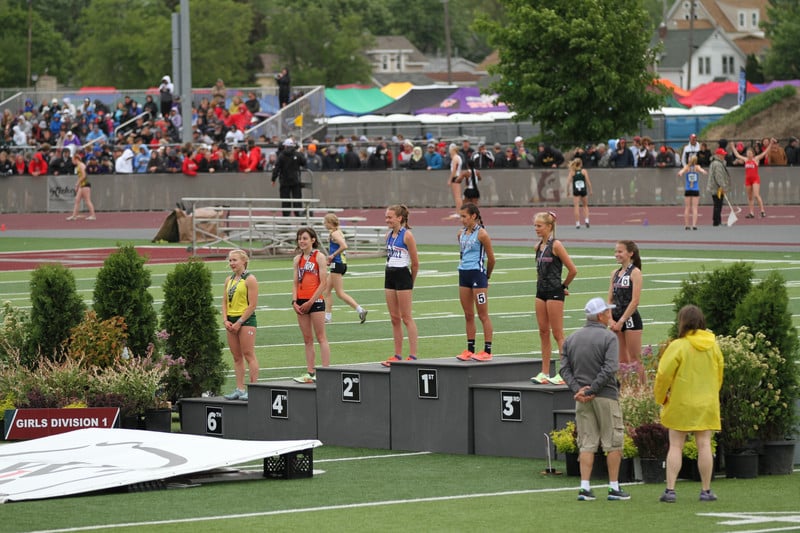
(742, 465)
(626, 471)
(599, 467)
(776, 458)
(653, 470)
(158, 420)
(689, 470)
(135, 421)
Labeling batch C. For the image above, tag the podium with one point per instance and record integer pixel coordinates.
(214, 416)
(282, 410)
(511, 418)
(431, 400)
(353, 406)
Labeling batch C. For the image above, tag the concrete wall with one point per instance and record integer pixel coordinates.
(156, 192)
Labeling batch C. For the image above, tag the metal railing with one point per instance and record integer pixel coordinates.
(301, 118)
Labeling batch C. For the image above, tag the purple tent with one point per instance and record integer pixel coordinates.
(465, 100)
(772, 85)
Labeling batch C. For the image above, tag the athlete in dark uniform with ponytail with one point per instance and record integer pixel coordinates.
(624, 292)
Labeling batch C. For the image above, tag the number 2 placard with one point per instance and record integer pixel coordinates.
(351, 387)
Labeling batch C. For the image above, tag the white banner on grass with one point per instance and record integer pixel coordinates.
(95, 459)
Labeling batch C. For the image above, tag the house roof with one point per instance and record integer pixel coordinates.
(750, 44)
(394, 43)
(676, 48)
(720, 13)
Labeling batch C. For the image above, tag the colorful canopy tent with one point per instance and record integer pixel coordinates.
(418, 97)
(397, 89)
(711, 93)
(465, 100)
(775, 84)
(677, 91)
(357, 101)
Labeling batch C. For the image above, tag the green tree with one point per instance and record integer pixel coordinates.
(191, 319)
(50, 53)
(328, 51)
(579, 69)
(121, 289)
(123, 43)
(56, 308)
(782, 27)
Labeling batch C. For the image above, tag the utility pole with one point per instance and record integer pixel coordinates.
(691, 44)
(30, 39)
(447, 41)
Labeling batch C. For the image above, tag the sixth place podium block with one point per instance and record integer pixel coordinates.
(438, 405)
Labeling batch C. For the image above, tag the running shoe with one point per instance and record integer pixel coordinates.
(618, 494)
(362, 315)
(306, 378)
(91, 218)
(557, 380)
(235, 395)
(466, 355)
(586, 496)
(243, 397)
(71, 217)
(707, 496)
(328, 320)
(669, 496)
(541, 378)
(587, 224)
(763, 214)
(411, 358)
(392, 359)
(750, 215)
(482, 356)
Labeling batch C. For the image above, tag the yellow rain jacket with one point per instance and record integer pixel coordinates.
(688, 381)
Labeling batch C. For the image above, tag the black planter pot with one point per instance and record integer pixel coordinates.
(132, 422)
(776, 458)
(741, 465)
(158, 420)
(653, 470)
(626, 471)
(689, 470)
(599, 467)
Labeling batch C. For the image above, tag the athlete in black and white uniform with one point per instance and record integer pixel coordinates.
(624, 292)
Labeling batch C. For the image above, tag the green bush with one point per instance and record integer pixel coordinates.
(753, 106)
(716, 293)
(121, 289)
(56, 308)
(766, 310)
(190, 317)
(14, 330)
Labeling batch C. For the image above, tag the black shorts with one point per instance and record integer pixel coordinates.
(634, 323)
(338, 268)
(691, 193)
(472, 279)
(550, 294)
(398, 279)
(582, 192)
(316, 307)
(471, 194)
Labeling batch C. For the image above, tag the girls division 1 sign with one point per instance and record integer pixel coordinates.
(25, 424)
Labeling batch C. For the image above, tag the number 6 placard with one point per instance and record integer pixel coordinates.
(427, 383)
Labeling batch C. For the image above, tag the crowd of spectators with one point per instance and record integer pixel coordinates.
(141, 138)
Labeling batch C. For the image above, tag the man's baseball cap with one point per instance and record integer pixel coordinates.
(518, 139)
(595, 306)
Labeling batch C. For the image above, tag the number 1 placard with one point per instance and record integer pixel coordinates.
(428, 383)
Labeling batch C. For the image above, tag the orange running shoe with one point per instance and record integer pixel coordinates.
(392, 359)
(466, 355)
(482, 356)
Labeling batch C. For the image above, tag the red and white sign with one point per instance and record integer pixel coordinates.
(25, 424)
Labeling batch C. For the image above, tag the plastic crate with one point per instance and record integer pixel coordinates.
(290, 465)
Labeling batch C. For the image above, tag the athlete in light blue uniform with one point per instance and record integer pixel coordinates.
(474, 271)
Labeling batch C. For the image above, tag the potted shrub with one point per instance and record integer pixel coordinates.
(689, 467)
(652, 443)
(565, 441)
(744, 402)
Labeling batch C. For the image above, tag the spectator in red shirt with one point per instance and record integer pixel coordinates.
(189, 166)
(37, 166)
(253, 157)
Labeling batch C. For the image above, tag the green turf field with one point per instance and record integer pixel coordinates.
(369, 490)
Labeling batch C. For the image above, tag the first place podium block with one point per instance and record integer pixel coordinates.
(282, 410)
(431, 401)
(353, 406)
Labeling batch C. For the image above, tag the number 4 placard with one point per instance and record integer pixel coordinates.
(279, 408)
(351, 387)
(427, 383)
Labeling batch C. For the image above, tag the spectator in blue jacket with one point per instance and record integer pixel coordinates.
(433, 158)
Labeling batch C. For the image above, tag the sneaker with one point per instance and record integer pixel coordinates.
(707, 496)
(392, 359)
(577, 225)
(411, 358)
(557, 380)
(694, 228)
(235, 395)
(541, 378)
(466, 355)
(305, 378)
(71, 217)
(669, 497)
(618, 494)
(586, 496)
(243, 397)
(763, 214)
(362, 315)
(482, 356)
(750, 215)
(587, 224)
(91, 218)
(328, 320)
